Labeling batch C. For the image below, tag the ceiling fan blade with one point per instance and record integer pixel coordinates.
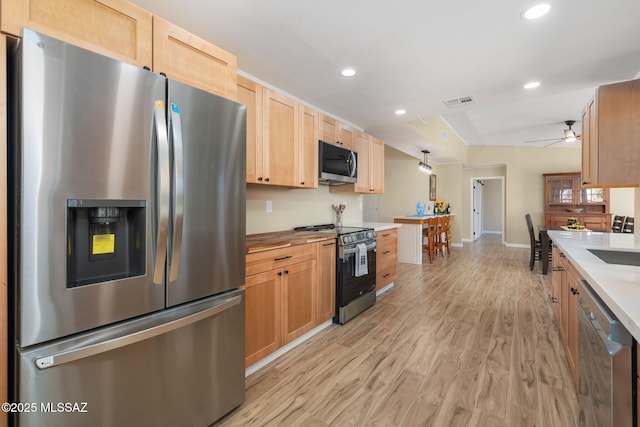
(555, 142)
(540, 140)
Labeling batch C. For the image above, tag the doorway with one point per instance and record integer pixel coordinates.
(487, 206)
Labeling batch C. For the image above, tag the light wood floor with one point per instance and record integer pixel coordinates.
(469, 340)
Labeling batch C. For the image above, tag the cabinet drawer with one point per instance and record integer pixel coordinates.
(260, 262)
(386, 275)
(387, 236)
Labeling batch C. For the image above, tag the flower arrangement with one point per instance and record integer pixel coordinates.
(440, 206)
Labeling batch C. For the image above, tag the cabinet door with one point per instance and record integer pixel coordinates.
(362, 148)
(346, 136)
(308, 162)
(250, 94)
(376, 169)
(560, 190)
(280, 121)
(596, 223)
(618, 127)
(263, 315)
(326, 304)
(115, 28)
(572, 323)
(589, 132)
(557, 276)
(183, 56)
(298, 299)
(328, 129)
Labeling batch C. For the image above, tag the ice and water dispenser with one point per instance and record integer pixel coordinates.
(105, 240)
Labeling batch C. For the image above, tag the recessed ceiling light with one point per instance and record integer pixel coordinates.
(532, 85)
(348, 72)
(400, 112)
(536, 11)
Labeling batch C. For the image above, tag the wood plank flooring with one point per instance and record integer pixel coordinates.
(469, 340)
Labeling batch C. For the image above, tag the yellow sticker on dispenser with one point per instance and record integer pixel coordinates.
(103, 244)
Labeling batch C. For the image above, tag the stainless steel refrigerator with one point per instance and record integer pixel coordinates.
(127, 243)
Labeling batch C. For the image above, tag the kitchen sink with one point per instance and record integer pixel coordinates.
(617, 257)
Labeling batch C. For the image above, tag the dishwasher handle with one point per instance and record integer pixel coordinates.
(601, 318)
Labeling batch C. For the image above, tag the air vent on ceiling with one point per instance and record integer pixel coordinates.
(455, 102)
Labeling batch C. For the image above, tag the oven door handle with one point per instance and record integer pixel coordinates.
(349, 251)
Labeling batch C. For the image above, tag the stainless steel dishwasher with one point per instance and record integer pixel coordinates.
(605, 387)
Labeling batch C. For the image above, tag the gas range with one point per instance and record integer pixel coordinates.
(346, 235)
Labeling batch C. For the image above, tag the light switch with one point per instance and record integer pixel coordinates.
(269, 206)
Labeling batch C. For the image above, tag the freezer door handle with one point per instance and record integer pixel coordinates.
(126, 340)
(178, 193)
(163, 192)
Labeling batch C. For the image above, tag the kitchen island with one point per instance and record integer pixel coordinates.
(618, 286)
(410, 236)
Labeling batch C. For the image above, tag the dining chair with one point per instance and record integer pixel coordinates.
(616, 225)
(535, 244)
(628, 225)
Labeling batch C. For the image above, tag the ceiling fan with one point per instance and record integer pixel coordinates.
(569, 135)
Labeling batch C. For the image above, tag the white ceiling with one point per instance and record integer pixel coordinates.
(415, 54)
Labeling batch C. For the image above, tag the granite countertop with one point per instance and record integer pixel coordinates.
(283, 239)
(618, 286)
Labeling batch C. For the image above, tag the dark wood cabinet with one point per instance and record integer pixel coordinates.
(565, 198)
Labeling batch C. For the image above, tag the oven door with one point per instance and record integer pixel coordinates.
(350, 287)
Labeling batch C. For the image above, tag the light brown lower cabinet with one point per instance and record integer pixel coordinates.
(565, 295)
(289, 291)
(386, 257)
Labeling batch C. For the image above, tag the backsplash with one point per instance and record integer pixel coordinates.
(296, 207)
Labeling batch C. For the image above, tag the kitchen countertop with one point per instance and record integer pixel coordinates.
(618, 286)
(417, 219)
(283, 239)
(380, 226)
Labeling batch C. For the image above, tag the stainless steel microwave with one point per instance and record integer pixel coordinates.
(336, 165)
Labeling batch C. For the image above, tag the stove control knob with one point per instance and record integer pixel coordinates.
(370, 234)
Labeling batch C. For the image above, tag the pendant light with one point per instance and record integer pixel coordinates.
(424, 166)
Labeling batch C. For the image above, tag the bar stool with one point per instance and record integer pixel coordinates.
(429, 231)
(628, 225)
(445, 235)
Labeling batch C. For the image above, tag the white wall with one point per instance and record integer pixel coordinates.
(492, 206)
(296, 207)
(622, 201)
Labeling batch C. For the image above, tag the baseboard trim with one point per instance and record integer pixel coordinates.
(517, 245)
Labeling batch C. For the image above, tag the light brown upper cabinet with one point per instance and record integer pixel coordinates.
(192, 60)
(307, 165)
(610, 129)
(280, 134)
(250, 94)
(336, 132)
(126, 32)
(370, 166)
(114, 28)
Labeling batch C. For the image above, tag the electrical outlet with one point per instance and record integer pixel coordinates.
(269, 206)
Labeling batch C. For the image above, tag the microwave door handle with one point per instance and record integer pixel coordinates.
(178, 194)
(162, 192)
(353, 167)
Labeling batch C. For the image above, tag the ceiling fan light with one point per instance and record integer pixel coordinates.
(536, 11)
(570, 139)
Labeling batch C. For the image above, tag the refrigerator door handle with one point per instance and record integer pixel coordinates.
(129, 339)
(163, 192)
(178, 194)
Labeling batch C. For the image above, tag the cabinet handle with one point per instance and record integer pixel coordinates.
(554, 300)
(266, 179)
(574, 291)
(286, 272)
(557, 268)
(259, 178)
(586, 182)
(282, 258)
(387, 234)
(279, 273)
(329, 244)
(146, 67)
(302, 183)
(386, 275)
(386, 252)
